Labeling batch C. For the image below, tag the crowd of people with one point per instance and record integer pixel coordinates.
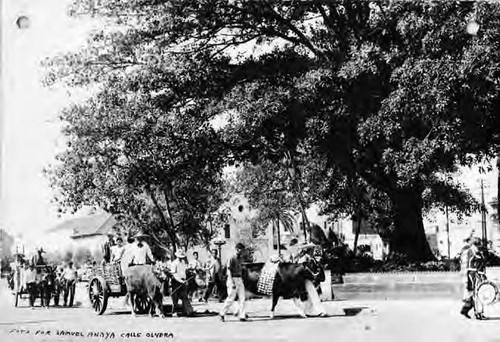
(27, 273)
(190, 278)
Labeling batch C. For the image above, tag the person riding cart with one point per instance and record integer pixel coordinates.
(472, 262)
(38, 259)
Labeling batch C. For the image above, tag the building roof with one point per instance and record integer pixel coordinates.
(87, 226)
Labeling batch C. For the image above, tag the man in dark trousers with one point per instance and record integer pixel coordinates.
(106, 249)
(214, 276)
(179, 284)
(235, 284)
(472, 261)
(69, 276)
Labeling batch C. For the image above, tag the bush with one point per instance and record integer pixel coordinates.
(341, 260)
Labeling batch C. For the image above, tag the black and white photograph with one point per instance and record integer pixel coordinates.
(249, 170)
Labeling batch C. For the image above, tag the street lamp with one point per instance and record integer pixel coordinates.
(483, 217)
(219, 242)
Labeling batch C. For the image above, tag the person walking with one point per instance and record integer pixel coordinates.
(69, 276)
(235, 284)
(179, 284)
(472, 261)
(213, 270)
(194, 285)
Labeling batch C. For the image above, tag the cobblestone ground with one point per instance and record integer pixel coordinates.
(379, 320)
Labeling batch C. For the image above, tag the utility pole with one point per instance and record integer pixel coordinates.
(448, 231)
(483, 217)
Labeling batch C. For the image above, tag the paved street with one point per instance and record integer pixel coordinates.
(408, 320)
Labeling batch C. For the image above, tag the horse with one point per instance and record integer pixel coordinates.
(45, 286)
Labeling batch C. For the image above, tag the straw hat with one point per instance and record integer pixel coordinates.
(140, 234)
(476, 241)
(307, 246)
(180, 254)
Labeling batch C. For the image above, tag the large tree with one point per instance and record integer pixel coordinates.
(138, 147)
(388, 94)
(394, 94)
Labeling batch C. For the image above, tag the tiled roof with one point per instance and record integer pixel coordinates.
(99, 224)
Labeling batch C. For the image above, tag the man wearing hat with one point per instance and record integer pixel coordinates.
(179, 284)
(235, 284)
(141, 253)
(472, 261)
(38, 259)
(305, 252)
(106, 248)
(293, 250)
(69, 277)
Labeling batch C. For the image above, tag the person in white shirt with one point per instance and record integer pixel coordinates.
(29, 282)
(179, 286)
(69, 276)
(117, 250)
(293, 250)
(141, 253)
(196, 267)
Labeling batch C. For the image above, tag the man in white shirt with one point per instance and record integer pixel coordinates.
(117, 250)
(141, 253)
(179, 285)
(69, 276)
(29, 282)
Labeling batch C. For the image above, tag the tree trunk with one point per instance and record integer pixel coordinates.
(170, 232)
(409, 234)
(358, 230)
(169, 211)
(498, 189)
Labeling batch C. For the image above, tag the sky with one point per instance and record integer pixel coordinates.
(30, 133)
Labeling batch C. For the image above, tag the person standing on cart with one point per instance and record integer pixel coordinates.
(38, 259)
(141, 252)
(70, 276)
(472, 262)
(106, 249)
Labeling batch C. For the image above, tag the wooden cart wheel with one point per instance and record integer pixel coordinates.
(98, 295)
(142, 305)
(487, 292)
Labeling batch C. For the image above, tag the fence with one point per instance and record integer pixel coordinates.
(398, 285)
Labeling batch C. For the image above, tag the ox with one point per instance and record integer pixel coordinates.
(144, 282)
(292, 281)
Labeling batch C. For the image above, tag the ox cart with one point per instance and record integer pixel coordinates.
(28, 282)
(107, 281)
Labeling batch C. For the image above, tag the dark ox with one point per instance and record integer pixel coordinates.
(144, 282)
(293, 281)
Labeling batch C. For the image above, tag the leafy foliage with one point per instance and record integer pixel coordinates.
(380, 99)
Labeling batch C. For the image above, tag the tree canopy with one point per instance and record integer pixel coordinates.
(382, 99)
